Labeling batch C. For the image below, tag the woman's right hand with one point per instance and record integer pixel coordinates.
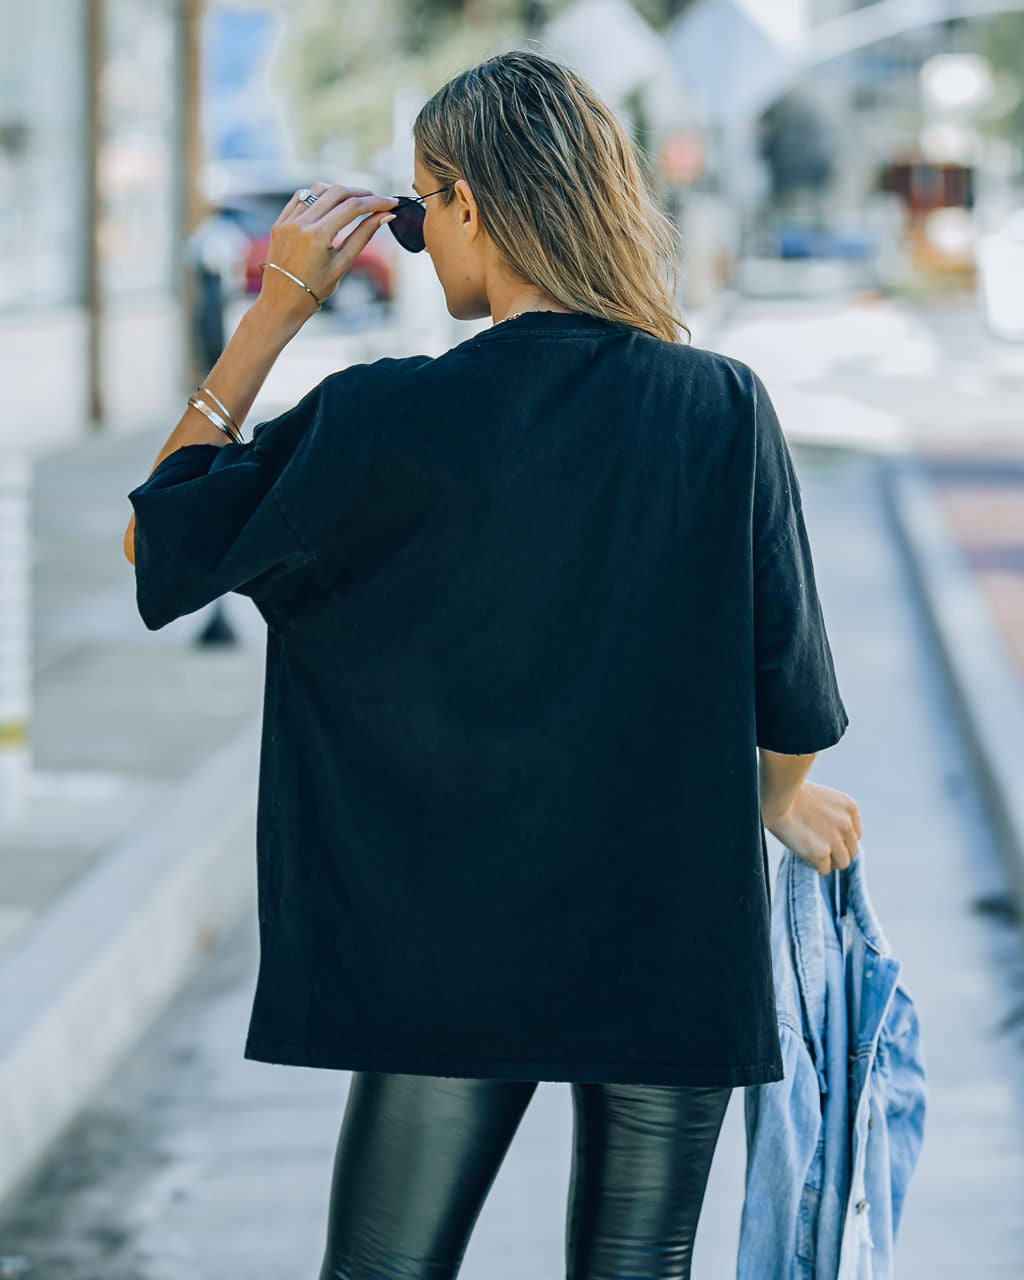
(821, 825)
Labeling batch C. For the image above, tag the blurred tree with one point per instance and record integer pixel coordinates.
(659, 13)
(1001, 40)
(342, 61)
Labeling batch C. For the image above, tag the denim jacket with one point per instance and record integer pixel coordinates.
(832, 1146)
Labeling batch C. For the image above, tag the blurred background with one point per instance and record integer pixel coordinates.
(847, 182)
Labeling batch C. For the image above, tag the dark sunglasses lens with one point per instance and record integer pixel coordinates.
(407, 225)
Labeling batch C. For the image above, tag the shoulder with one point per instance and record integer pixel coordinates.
(354, 398)
(721, 382)
(374, 376)
(722, 386)
(729, 376)
(736, 393)
(386, 386)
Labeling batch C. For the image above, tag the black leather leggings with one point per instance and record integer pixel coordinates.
(417, 1156)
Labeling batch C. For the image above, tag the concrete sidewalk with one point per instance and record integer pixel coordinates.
(130, 854)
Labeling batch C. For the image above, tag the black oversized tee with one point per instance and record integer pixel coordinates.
(531, 606)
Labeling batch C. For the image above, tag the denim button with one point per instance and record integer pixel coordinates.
(861, 1205)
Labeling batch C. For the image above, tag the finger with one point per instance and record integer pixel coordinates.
(347, 232)
(319, 189)
(348, 210)
(295, 205)
(331, 197)
(357, 240)
(329, 203)
(355, 206)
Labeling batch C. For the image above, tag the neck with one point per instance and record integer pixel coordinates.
(522, 311)
(515, 300)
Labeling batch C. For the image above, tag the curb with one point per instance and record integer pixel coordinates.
(987, 690)
(100, 963)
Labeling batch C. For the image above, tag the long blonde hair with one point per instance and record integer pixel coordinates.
(564, 195)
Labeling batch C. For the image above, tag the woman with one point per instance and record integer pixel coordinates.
(532, 606)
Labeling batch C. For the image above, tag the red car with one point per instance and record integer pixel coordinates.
(371, 278)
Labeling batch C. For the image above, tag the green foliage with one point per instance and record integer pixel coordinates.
(342, 61)
(661, 13)
(1001, 40)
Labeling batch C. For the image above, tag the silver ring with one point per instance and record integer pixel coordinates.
(306, 196)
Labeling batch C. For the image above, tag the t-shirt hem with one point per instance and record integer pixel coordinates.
(337, 1057)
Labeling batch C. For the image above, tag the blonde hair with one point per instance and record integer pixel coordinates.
(563, 193)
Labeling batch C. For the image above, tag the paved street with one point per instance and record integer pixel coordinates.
(193, 1162)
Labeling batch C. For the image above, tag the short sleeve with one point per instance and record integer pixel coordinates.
(799, 709)
(214, 518)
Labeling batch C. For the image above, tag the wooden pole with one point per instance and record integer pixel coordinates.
(95, 405)
(192, 205)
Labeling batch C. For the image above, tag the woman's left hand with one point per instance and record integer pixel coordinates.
(311, 241)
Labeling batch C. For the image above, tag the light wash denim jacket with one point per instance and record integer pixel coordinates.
(832, 1146)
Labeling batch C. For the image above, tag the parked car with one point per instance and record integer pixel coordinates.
(253, 205)
(795, 238)
(800, 257)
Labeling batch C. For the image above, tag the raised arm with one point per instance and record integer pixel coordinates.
(302, 241)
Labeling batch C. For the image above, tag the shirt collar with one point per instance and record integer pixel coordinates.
(549, 323)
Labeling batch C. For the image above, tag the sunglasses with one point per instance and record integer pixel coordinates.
(407, 225)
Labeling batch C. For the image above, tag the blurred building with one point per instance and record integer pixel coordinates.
(41, 140)
(91, 210)
(832, 114)
(630, 64)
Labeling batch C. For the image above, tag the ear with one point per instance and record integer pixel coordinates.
(467, 212)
